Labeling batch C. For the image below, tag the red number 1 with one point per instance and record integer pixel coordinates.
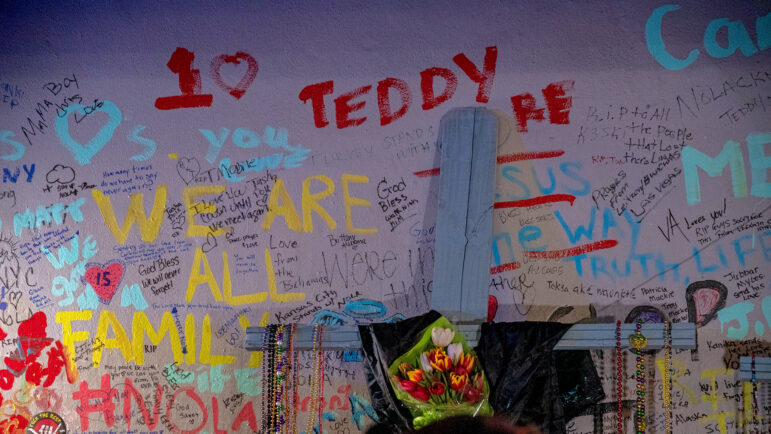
(181, 63)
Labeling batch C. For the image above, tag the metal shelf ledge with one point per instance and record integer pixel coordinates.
(578, 337)
(762, 368)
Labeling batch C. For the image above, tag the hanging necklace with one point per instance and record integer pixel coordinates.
(295, 395)
(321, 378)
(263, 421)
(314, 377)
(280, 379)
(666, 391)
(290, 396)
(272, 392)
(273, 378)
(619, 379)
(638, 342)
(267, 376)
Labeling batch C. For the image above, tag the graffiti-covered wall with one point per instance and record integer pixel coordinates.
(175, 172)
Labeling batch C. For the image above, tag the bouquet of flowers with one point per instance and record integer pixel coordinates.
(440, 376)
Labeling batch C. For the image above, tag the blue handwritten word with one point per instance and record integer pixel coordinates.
(738, 38)
(47, 215)
(11, 94)
(247, 139)
(60, 284)
(731, 156)
(530, 233)
(570, 169)
(13, 177)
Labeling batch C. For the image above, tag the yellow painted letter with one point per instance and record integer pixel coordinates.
(310, 202)
(354, 201)
(190, 339)
(286, 209)
(120, 341)
(196, 278)
(149, 228)
(206, 356)
(68, 337)
(141, 324)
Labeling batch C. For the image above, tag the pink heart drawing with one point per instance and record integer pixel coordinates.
(104, 279)
(246, 80)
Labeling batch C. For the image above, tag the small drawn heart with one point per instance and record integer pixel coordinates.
(246, 80)
(13, 298)
(188, 169)
(638, 342)
(211, 242)
(104, 279)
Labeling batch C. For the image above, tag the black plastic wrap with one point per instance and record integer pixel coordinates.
(530, 381)
(382, 344)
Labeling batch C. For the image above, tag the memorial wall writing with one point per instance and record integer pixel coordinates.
(175, 172)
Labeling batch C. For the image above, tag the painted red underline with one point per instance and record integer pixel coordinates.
(524, 156)
(549, 198)
(502, 159)
(573, 251)
(505, 267)
(425, 173)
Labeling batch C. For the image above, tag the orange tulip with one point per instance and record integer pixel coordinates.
(415, 375)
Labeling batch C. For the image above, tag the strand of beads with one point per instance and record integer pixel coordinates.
(295, 394)
(666, 391)
(638, 342)
(290, 397)
(264, 420)
(314, 378)
(271, 397)
(280, 377)
(619, 379)
(321, 377)
(268, 378)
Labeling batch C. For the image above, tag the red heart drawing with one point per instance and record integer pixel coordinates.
(246, 80)
(705, 300)
(492, 307)
(104, 279)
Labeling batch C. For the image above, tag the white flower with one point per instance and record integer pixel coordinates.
(425, 363)
(455, 351)
(441, 336)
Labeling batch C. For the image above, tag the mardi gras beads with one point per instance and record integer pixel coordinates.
(619, 379)
(638, 342)
(666, 391)
(280, 380)
(314, 377)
